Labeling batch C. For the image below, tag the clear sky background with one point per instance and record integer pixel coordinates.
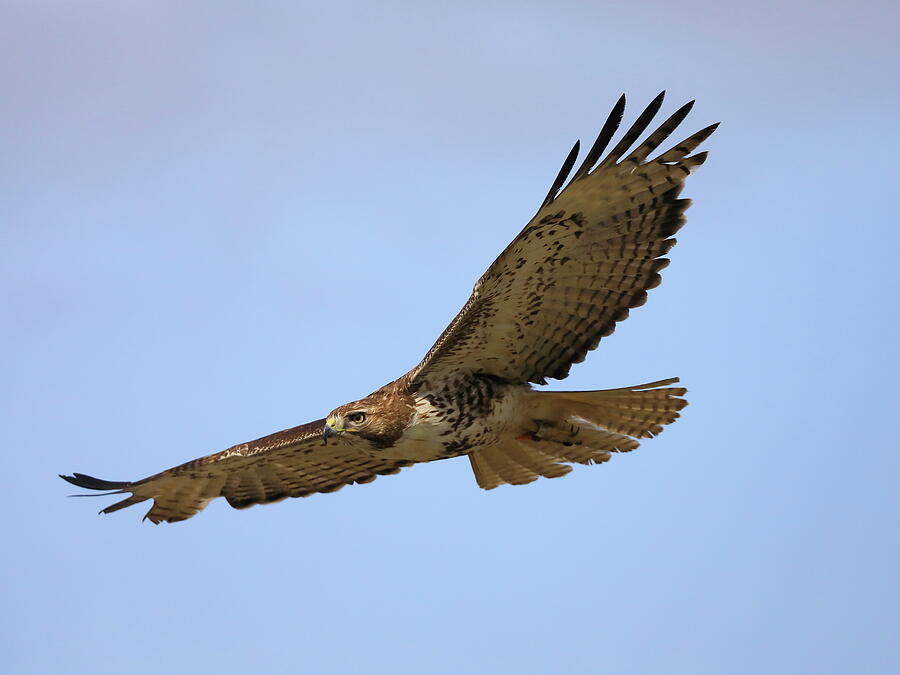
(222, 219)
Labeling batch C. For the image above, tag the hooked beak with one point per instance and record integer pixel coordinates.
(330, 429)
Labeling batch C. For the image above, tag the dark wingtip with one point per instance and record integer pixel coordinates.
(613, 120)
(82, 480)
(562, 175)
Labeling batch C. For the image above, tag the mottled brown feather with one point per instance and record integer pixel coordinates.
(552, 295)
(291, 463)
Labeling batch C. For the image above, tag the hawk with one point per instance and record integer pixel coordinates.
(588, 256)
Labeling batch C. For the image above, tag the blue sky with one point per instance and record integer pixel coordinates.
(224, 219)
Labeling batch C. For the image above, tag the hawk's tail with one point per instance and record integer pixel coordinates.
(578, 426)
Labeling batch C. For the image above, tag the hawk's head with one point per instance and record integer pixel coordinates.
(379, 418)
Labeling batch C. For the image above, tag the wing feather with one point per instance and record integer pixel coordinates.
(290, 463)
(640, 125)
(562, 175)
(603, 138)
(586, 258)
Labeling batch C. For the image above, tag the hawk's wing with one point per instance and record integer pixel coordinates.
(587, 257)
(291, 463)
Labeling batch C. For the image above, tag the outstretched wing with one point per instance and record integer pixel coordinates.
(291, 463)
(588, 256)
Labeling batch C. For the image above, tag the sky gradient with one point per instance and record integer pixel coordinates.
(223, 219)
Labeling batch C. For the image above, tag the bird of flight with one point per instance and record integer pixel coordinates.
(587, 257)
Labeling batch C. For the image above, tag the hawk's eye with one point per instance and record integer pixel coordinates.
(357, 417)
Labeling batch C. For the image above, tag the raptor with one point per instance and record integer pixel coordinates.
(589, 255)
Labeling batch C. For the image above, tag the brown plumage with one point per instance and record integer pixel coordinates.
(588, 256)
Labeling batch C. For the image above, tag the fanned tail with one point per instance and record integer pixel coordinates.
(583, 427)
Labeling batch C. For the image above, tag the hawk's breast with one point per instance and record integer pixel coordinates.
(466, 413)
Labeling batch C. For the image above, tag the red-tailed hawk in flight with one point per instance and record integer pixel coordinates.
(590, 254)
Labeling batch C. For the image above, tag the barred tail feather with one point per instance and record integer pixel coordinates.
(583, 427)
(514, 462)
(640, 411)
